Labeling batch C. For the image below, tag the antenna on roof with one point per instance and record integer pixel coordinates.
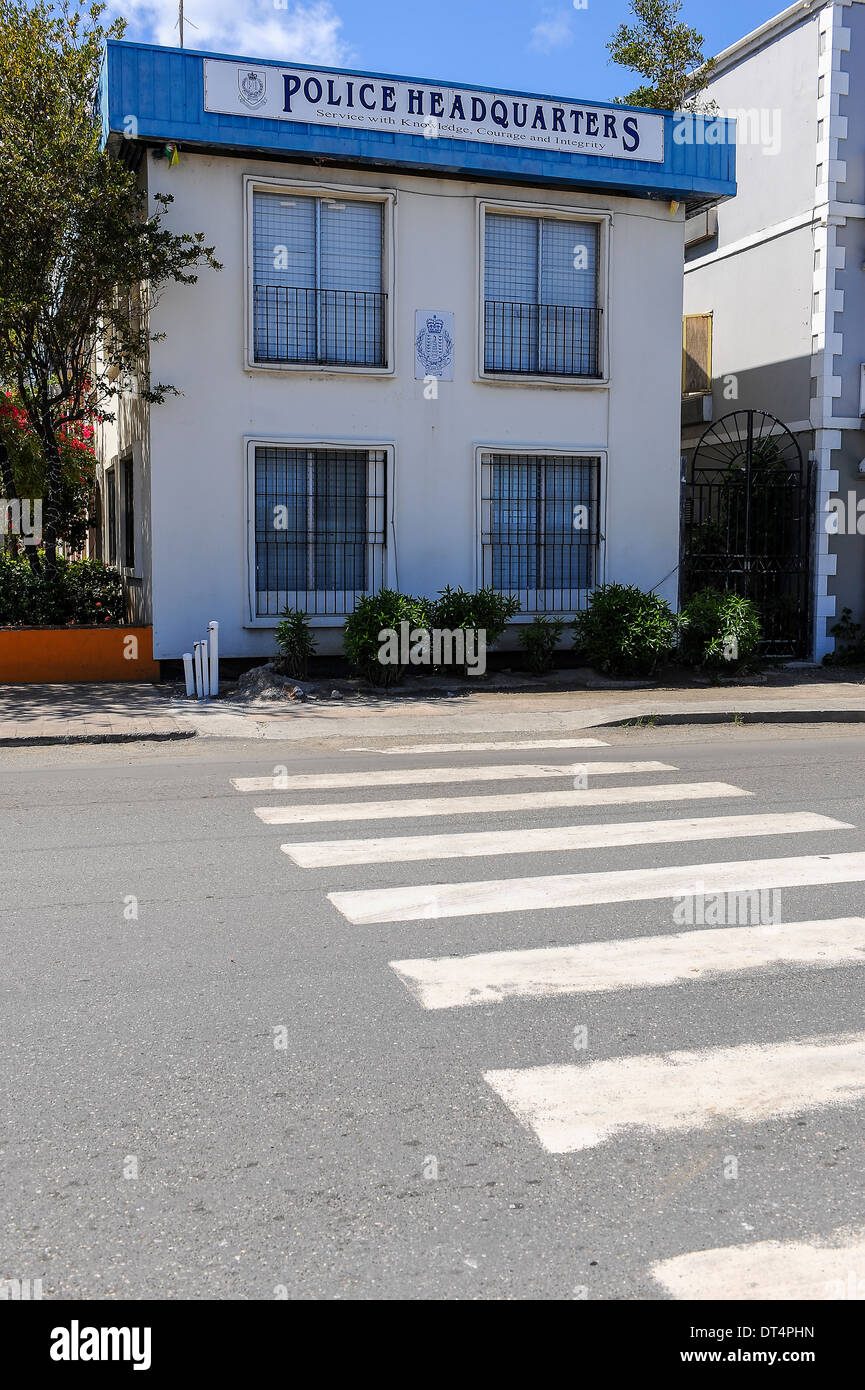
(180, 21)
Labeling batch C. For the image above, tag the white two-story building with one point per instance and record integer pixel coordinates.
(444, 347)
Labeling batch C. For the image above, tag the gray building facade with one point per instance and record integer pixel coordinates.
(780, 270)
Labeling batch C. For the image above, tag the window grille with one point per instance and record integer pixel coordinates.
(541, 313)
(317, 281)
(319, 528)
(540, 528)
(127, 477)
(111, 516)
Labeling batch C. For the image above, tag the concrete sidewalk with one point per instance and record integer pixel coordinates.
(552, 712)
(113, 713)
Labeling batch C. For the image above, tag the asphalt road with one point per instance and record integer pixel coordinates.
(183, 1002)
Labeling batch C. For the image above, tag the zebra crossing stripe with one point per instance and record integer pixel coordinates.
(494, 804)
(502, 745)
(643, 962)
(575, 1107)
(434, 900)
(400, 849)
(770, 1269)
(410, 776)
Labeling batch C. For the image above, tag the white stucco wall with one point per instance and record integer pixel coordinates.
(199, 517)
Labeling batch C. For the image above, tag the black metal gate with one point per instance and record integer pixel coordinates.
(747, 524)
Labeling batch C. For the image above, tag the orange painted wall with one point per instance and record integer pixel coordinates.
(34, 654)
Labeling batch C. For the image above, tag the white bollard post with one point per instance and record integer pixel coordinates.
(189, 673)
(213, 630)
(204, 676)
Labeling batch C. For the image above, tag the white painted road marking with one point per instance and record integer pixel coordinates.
(408, 776)
(770, 1269)
(486, 747)
(433, 900)
(574, 1107)
(511, 801)
(642, 962)
(400, 849)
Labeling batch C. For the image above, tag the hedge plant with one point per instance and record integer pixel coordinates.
(849, 642)
(373, 613)
(539, 641)
(296, 642)
(624, 631)
(718, 628)
(487, 610)
(84, 592)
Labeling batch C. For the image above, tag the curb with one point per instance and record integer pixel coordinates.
(769, 716)
(48, 740)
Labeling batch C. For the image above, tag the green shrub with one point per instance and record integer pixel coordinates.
(93, 592)
(372, 613)
(20, 594)
(849, 642)
(296, 644)
(83, 592)
(624, 631)
(487, 610)
(718, 628)
(539, 641)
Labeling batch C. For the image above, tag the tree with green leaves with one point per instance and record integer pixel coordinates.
(665, 51)
(82, 257)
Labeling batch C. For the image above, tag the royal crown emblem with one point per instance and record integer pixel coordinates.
(434, 346)
(253, 88)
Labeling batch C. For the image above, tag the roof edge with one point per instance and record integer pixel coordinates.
(778, 24)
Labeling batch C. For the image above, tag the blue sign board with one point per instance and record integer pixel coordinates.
(227, 104)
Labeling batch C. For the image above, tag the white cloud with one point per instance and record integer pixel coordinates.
(307, 33)
(553, 31)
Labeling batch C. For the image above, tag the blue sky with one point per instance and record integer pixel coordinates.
(535, 45)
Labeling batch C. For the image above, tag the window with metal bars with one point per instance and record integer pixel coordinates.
(127, 477)
(540, 527)
(111, 516)
(541, 312)
(317, 293)
(319, 527)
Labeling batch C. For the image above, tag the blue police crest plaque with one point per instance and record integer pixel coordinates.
(434, 344)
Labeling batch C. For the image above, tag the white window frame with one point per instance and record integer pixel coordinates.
(133, 453)
(111, 489)
(577, 451)
(336, 192)
(604, 221)
(253, 442)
